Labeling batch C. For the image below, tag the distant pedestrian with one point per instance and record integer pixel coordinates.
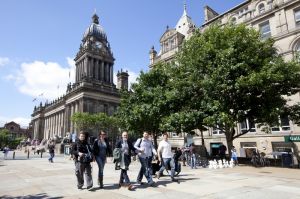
(82, 154)
(101, 149)
(193, 156)
(234, 156)
(126, 148)
(5, 152)
(51, 148)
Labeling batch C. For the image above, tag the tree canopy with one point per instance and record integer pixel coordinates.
(237, 76)
(220, 77)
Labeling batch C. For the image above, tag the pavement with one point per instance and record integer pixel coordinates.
(36, 178)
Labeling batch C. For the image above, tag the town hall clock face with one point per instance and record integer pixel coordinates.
(98, 44)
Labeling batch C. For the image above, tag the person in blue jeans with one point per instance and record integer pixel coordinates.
(51, 148)
(166, 157)
(101, 149)
(145, 150)
(193, 156)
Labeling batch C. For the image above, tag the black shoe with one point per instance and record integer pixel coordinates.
(79, 187)
(152, 184)
(139, 182)
(89, 188)
(174, 180)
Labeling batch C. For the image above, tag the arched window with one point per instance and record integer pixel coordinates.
(233, 20)
(297, 51)
(261, 8)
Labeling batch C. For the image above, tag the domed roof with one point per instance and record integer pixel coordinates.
(95, 29)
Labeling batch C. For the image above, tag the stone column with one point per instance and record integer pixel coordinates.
(71, 123)
(99, 70)
(105, 72)
(111, 74)
(102, 70)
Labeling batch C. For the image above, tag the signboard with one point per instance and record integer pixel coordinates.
(292, 138)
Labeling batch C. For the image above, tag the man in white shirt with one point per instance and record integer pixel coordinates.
(146, 151)
(165, 156)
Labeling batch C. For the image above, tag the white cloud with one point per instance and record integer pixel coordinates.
(44, 80)
(4, 61)
(24, 122)
(131, 79)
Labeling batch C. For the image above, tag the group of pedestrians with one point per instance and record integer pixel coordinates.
(84, 153)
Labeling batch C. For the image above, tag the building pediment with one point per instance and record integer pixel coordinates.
(170, 33)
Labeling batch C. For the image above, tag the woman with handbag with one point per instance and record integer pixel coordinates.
(126, 147)
(83, 157)
(101, 149)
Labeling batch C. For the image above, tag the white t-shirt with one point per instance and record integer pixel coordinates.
(165, 148)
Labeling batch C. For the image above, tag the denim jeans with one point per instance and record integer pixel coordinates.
(124, 177)
(101, 163)
(166, 162)
(51, 157)
(146, 169)
(193, 161)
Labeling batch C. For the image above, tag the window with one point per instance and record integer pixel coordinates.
(174, 134)
(297, 17)
(297, 51)
(172, 41)
(217, 130)
(233, 20)
(265, 30)
(248, 149)
(284, 124)
(246, 125)
(261, 8)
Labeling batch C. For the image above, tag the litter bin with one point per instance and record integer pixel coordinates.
(67, 150)
(287, 160)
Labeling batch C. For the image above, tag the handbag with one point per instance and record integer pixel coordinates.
(88, 157)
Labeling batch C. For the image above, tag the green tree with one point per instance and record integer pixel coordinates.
(96, 122)
(143, 108)
(235, 75)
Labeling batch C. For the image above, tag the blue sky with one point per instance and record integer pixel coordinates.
(39, 40)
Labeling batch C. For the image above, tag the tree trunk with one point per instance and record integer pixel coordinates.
(202, 138)
(229, 139)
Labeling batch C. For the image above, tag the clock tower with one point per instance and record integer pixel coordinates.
(94, 61)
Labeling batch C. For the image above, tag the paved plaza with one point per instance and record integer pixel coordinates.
(37, 178)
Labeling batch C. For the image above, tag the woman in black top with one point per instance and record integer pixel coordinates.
(83, 157)
(101, 149)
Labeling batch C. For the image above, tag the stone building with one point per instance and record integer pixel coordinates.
(279, 19)
(93, 91)
(172, 39)
(16, 131)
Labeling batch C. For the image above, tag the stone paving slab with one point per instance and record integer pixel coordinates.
(37, 178)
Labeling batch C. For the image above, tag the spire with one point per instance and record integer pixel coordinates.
(95, 18)
(184, 9)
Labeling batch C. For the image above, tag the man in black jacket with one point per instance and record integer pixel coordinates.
(83, 157)
(127, 148)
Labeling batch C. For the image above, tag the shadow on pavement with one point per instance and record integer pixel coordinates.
(37, 196)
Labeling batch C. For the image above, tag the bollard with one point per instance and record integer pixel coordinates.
(14, 154)
(28, 154)
(41, 154)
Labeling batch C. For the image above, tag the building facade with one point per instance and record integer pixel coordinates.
(279, 19)
(93, 91)
(16, 131)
